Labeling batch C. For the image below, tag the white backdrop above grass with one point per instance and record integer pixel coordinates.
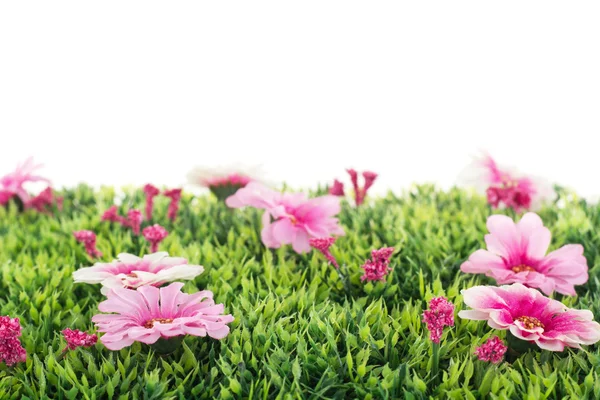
(135, 92)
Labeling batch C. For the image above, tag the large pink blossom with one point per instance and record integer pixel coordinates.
(12, 184)
(504, 186)
(517, 253)
(531, 316)
(149, 313)
(290, 218)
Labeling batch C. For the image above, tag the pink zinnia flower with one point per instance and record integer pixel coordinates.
(11, 350)
(290, 218)
(12, 184)
(134, 220)
(378, 266)
(440, 314)
(175, 196)
(149, 313)
(492, 350)
(76, 338)
(531, 316)
(323, 245)
(517, 253)
(151, 192)
(88, 238)
(337, 189)
(131, 271)
(506, 187)
(154, 234)
(112, 215)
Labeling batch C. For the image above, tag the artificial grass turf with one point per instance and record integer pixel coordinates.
(296, 333)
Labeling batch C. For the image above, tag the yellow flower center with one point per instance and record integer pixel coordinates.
(522, 268)
(150, 323)
(530, 322)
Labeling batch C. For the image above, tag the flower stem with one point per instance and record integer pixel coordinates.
(435, 350)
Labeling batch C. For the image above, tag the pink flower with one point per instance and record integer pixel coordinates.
(154, 234)
(440, 314)
(112, 215)
(517, 253)
(134, 220)
(505, 187)
(151, 192)
(175, 196)
(323, 245)
(76, 338)
(149, 313)
(223, 181)
(492, 350)
(11, 350)
(337, 189)
(531, 316)
(378, 266)
(12, 184)
(131, 271)
(360, 193)
(44, 201)
(88, 238)
(290, 218)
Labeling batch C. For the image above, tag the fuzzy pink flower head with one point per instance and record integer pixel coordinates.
(369, 178)
(151, 192)
(154, 234)
(131, 271)
(88, 239)
(112, 215)
(149, 313)
(337, 189)
(13, 183)
(76, 338)
(11, 350)
(439, 315)
(492, 350)
(360, 193)
(134, 220)
(290, 218)
(517, 253)
(531, 316)
(175, 196)
(323, 245)
(378, 266)
(43, 202)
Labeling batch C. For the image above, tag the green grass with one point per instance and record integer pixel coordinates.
(296, 334)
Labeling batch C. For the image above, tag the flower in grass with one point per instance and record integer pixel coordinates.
(439, 315)
(175, 196)
(154, 234)
(290, 218)
(148, 314)
(323, 245)
(44, 201)
(223, 181)
(531, 316)
(505, 187)
(112, 215)
(88, 238)
(517, 253)
(151, 192)
(337, 189)
(360, 193)
(134, 220)
(378, 266)
(11, 350)
(76, 338)
(131, 271)
(12, 184)
(492, 350)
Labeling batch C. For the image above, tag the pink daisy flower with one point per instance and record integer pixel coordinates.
(531, 316)
(12, 184)
(11, 350)
(223, 181)
(149, 314)
(439, 315)
(76, 338)
(492, 350)
(517, 253)
(290, 218)
(131, 271)
(154, 234)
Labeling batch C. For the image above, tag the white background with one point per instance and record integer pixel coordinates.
(119, 92)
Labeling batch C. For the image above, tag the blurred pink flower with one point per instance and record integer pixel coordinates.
(88, 239)
(323, 245)
(12, 184)
(149, 313)
(531, 316)
(223, 181)
(290, 218)
(378, 266)
(76, 338)
(360, 193)
(154, 234)
(151, 192)
(11, 350)
(112, 215)
(175, 196)
(517, 253)
(337, 189)
(492, 350)
(131, 271)
(439, 315)
(134, 220)
(44, 201)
